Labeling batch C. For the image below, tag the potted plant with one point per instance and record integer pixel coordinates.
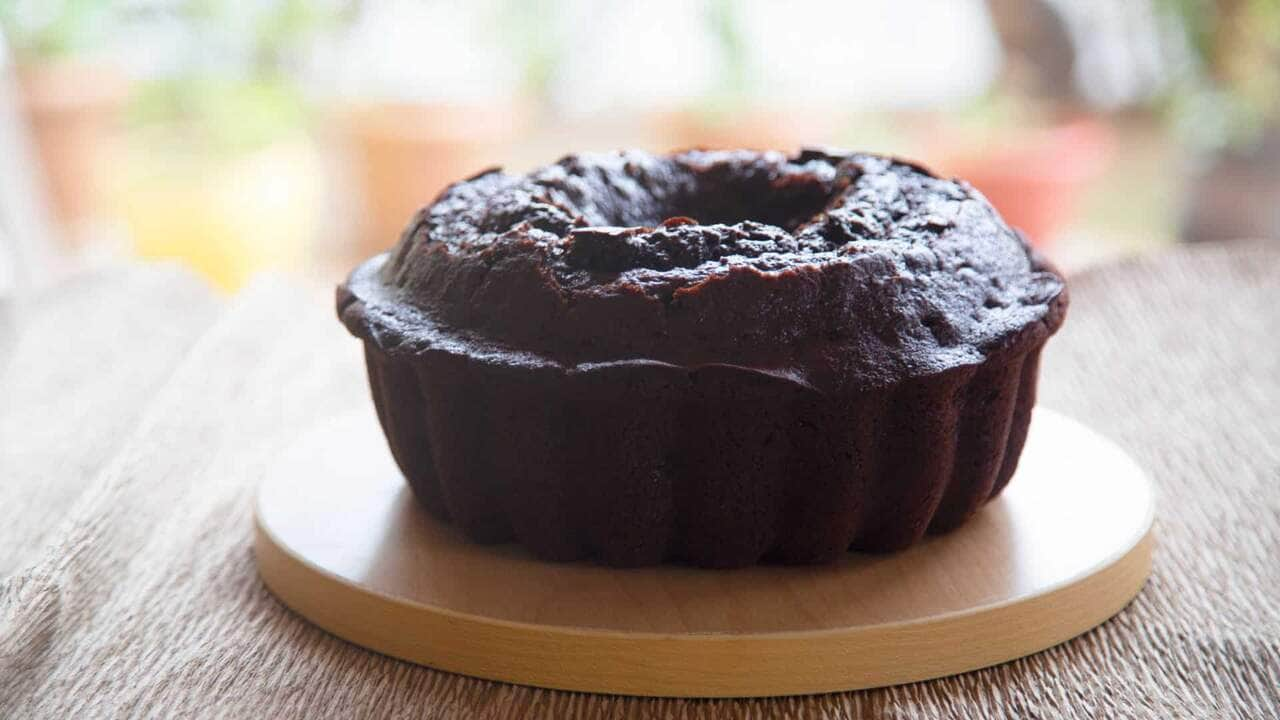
(71, 98)
(220, 170)
(413, 118)
(1225, 108)
(1033, 163)
(402, 153)
(727, 116)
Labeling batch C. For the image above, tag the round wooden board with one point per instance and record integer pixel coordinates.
(340, 540)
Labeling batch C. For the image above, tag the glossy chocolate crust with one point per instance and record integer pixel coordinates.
(712, 357)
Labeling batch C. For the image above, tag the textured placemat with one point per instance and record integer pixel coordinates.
(78, 364)
(148, 604)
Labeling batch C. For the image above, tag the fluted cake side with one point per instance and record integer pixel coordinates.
(634, 463)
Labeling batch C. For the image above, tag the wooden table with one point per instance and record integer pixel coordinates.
(138, 412)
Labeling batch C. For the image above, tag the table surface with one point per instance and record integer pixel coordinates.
(139, 413)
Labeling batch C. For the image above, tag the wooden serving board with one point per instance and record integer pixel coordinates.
(340, 540)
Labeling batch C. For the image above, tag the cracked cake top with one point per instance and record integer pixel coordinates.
(829, 267)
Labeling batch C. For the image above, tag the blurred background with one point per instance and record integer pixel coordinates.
(238, 137)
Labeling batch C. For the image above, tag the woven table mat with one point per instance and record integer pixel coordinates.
(144, 601)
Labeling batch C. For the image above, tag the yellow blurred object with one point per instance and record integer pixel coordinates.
(226, 217)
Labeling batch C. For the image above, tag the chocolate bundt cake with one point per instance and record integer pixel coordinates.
(711, 357)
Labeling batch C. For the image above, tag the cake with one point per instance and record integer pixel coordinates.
(716, 358)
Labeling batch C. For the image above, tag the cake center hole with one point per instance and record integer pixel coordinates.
(786, 203)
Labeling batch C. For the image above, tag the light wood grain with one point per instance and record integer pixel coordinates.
(341, 541)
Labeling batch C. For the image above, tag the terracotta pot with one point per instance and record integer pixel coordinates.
(402, 155)
(754, 129)
(72, 108)
(1034, 177)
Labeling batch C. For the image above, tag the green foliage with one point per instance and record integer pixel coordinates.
(51, 29)
(223, 115)
(233, 84)
(236, 88)
(1231, 92)
(723, 24)
(528, 27)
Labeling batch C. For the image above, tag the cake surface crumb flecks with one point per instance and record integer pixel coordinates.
(712, 357)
